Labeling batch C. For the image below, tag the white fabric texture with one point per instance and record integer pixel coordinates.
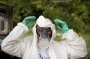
(71, 47)
(43, 54)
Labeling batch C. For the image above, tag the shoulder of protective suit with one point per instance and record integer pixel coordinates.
(27, 39)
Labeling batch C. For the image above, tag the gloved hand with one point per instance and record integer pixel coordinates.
(27, 20)
(64, 26)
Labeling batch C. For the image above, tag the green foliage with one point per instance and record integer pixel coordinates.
(75, 13)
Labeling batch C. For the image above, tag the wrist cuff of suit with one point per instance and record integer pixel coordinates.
(70, 35)
(23, 26)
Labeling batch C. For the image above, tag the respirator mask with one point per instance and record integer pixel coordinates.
(44, 36)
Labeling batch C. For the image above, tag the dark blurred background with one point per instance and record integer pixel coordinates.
(75, 12)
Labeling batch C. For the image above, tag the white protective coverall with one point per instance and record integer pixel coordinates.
(71, 47)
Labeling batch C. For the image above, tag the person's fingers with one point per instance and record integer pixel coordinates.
(30, 18)
(60, 21)
(56, 20)
(64, 26)
(30, 25)
(59, 28)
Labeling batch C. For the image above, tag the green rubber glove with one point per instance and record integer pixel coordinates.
(27, 20)
(64, 26)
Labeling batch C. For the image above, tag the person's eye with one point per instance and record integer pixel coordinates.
(49, 30)
(40, 29)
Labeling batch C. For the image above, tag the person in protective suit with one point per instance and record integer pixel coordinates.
(41, 45)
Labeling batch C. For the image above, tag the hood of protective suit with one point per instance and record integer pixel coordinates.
(42, 22)
(45, 22)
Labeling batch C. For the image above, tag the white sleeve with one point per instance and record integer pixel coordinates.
(13, 44)
(75, 45)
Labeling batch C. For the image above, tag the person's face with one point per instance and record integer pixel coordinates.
(44, 35)
(44, 32)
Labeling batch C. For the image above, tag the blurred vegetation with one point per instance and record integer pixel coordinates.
(75, 13)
